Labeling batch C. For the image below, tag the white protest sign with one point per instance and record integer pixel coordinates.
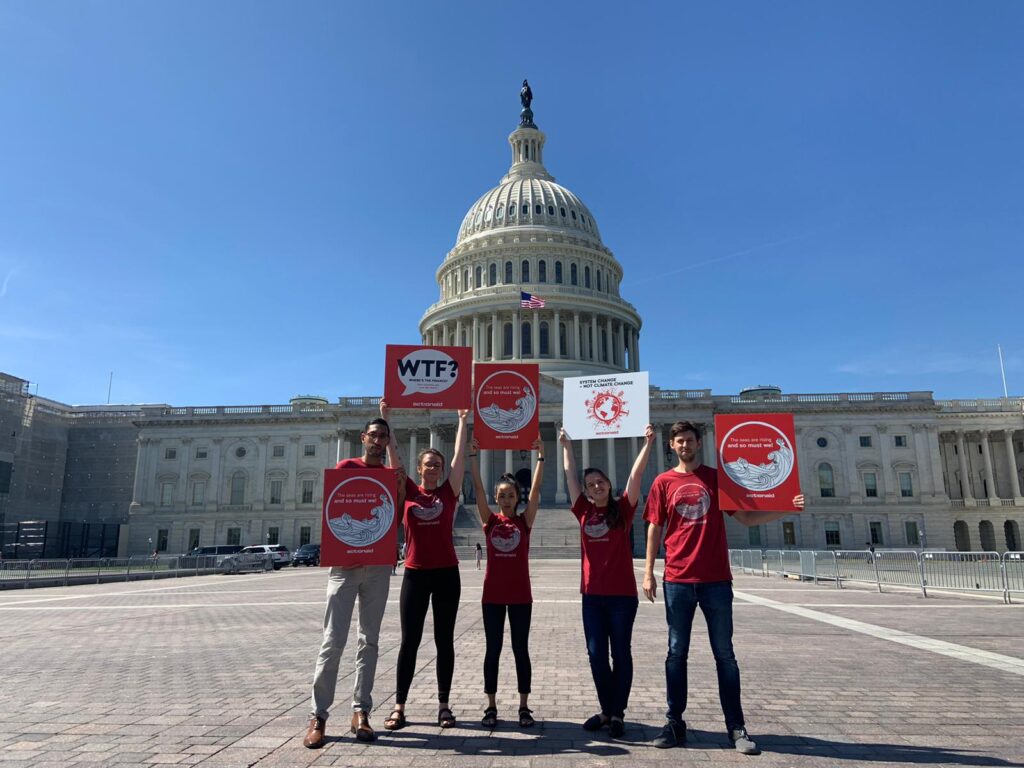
(615, 405)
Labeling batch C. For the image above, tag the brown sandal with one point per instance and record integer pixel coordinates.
(396, 720)
(445, 718)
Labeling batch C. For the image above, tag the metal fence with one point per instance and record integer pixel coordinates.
(50, 573)
(972, 572)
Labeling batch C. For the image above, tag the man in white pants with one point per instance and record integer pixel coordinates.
(370, 585)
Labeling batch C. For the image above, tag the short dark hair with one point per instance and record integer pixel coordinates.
(509, 479)
(683, 426)
(426, 452)
(378, 421)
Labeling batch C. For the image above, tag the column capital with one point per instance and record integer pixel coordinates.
(847, 429)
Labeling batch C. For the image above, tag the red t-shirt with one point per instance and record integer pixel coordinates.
(429, 518)
(686, 505)
(354, 464)
(507, 579)
(607, 567)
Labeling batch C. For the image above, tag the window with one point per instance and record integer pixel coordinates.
(551, 210)
(240, 452)
(826, 480)
(562, 345)
(542, 271)
(238, 488)
(599, 279)
(789, 534)
(562, 211)
(526, 209)
(870, 485)
(822, 442)
(865, 441)
(573, 275)
(754, 535)
(275, 491)
(273, 534)
(492, 274)
(304, 535)
(906, 484)
(544, 344)
(525, 270)
(278, 451)
(307, 491)
(912, 534)
(537, 209)
(877, 538)
(161, 540)
(166, 494)
(558, 272)
(508, 272)
(511, 211)
(234, 536)
(198, 493)
(201, 452)
(193, 538)
(586, 277)
(506, 340)
(309, 449)
(479, 277)
(526, 341)
(900, 441)
(170, 453)
(573, 215)
(465, 279)
(833, 540)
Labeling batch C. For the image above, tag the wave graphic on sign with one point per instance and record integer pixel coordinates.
(361, 533)
(514, 419)
(763, 477)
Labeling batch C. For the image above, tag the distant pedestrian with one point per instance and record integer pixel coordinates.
(479, 555)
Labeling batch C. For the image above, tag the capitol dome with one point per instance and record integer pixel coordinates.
(531, 235)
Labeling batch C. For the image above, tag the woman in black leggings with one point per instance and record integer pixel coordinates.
(431, 574)
(507, 580)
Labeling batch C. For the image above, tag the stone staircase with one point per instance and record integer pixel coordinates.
(555, 534)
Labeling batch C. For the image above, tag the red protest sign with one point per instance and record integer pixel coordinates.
(428, 377)
(505, 413)
(359, 520)
(757, 467)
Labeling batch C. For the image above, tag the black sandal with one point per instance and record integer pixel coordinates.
(595, 723)
(445, 718)
(490, 718)
(525, 717)
(395, 721)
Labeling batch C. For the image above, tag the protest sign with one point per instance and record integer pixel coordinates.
(606, 406)
(757, 467)
(505, 405)
(359, 519)
(428, 377)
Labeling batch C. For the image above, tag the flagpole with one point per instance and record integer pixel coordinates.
(1002, 370)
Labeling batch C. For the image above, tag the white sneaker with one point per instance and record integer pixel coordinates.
(742, 742)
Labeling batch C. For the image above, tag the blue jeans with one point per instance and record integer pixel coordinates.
(608, 620)
(715, 601)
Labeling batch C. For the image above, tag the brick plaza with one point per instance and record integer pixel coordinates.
(215, 671)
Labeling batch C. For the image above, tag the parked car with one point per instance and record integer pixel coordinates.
(211, 556)
(279, 552)
(246, 560)
(307, 554)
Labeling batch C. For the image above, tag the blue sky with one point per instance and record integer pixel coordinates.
(238, 202)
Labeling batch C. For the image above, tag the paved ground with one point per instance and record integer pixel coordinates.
(215, 671)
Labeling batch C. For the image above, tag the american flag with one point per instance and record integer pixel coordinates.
(529, 301)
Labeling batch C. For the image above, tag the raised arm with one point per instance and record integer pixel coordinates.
(569, 460)
(533, 503)
(458, 470)
(637, 473)
(478, 484)
(394, 457)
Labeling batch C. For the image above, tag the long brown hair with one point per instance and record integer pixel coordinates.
(612, 515)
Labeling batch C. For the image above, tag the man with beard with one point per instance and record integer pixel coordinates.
(684, 502)
(367, 583)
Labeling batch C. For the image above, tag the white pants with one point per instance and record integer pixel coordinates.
(370, 584)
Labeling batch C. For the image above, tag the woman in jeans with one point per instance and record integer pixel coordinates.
(431, 574)
(507, 580)
(608, 583)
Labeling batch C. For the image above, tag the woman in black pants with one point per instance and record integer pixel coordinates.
(507, 580)
(431, 574)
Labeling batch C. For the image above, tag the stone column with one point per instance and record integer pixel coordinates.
(495, 350)
(517, 333)
(476, 338)
(444, 334)
(413, 448)
(213, 492)
(1011, 466)
(611, 340)
(140, 446)
(932, 440)
(560, 495)
(612, 472)
(661, 448)
(924, 466)
(435, 437)
(182, 496)
(990, 480)
(485, 470)
(576, 353)
(260, 500)
(558, 336)
(888, 476)
(585, 455)
(458, 332)
(636, 347)
(965, 473)
(595, 342)
(535, 333)
(848, 452)
(710, 454)
(509, 459)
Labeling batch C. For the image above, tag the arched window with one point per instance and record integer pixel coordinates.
(988, 536)
(479, 277)
(492, 275)
(506, 340)
(238, 488)
(599, 279)
(526, 340)
(542, 271)
(826, 480)
(551, 210)
(537, 209)
(465, 280)
(1011, 532)
(508, 272)
(544, 346)
(511, 211)
(586, 277)
(526, 209)
(525, 269)
(558, 272)
(563, 347)
(573, 275)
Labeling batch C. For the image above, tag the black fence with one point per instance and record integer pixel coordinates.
(34, 540)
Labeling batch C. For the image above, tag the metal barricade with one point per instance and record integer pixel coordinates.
(825, 567)
(773, 562)
(790, 562)
(964, 572)
(1013, 573)
(856, 565)
(899, 567)
(736, 558)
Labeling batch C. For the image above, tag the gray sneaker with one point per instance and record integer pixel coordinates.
(742, 742)
(672, 735)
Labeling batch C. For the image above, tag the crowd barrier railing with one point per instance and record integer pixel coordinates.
(53, 572)
(971, 572)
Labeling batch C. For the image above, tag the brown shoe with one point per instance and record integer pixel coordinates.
(315, 733)
(361, 727)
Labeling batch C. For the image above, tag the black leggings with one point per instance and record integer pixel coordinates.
(494, 629)
(441, 588)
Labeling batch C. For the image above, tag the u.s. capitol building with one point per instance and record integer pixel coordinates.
(896, 469)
